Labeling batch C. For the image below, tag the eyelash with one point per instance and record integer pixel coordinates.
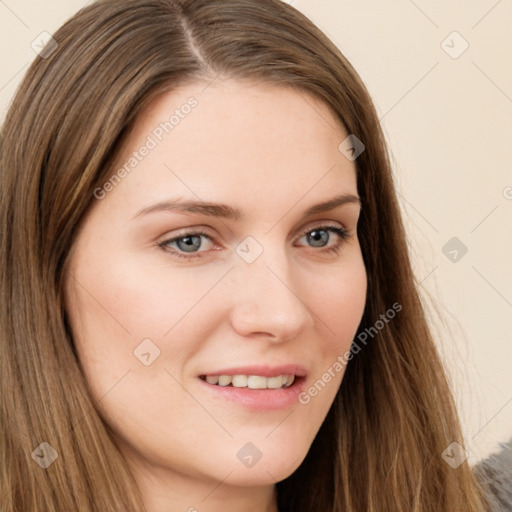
(342, 233)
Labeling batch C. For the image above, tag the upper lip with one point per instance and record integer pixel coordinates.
(263, 370)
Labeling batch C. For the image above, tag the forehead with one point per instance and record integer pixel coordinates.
(235, 137)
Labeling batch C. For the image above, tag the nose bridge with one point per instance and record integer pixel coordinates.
(267, 300)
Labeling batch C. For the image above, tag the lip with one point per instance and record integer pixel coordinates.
(259, 399)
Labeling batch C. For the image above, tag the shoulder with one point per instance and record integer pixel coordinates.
(495, 472)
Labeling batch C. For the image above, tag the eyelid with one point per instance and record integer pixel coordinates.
(322, 223)
(327, 223)
(202, 230)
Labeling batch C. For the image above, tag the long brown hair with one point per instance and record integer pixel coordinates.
(379, 448)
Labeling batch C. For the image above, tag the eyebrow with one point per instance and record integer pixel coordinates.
(229, 212)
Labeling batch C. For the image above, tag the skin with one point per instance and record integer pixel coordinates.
(272, 152)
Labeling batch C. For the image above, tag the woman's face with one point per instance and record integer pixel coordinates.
(269, 287)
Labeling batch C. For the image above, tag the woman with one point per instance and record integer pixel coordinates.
(207, 299)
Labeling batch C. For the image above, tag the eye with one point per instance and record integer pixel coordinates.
(320, 237)
(187, 245)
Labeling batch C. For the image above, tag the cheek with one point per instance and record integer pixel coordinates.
(114, 306)
(151, 300)
(339, 302)
(136, 297)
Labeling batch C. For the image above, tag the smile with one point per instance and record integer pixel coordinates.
(250, 381)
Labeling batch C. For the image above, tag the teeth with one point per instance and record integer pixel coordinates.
(239, 381)
(276, 382)
(256, 382)
(252, 381)
(225, 380)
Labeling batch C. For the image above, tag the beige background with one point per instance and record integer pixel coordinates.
(448, 120)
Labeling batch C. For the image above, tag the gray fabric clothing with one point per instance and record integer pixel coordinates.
(495, 472)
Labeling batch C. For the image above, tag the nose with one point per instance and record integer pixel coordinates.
(268, 301)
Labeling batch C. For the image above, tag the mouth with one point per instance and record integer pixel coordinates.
(251, 381)
(256, 387)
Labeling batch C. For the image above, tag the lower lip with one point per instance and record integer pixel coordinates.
(259, 399)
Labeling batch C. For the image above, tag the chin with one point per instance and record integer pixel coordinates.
(263, 474)
(268, 464)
